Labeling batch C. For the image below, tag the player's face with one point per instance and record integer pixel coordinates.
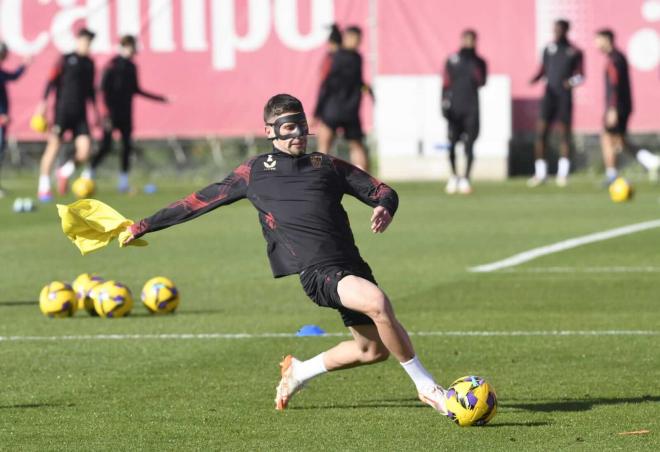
(468, 41)
(128, 51)
(294, 146)
(559, 32)
(351, 40)
(602, 43)
(83, 44)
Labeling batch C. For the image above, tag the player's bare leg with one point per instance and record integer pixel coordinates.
(365, 348)
(47, 160)
(564, 164)
(358, 153)
(325, 138)
(608, 150)
(540, 165)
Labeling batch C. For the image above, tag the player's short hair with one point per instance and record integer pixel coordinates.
(469, 32)
(335, 34)
(606, 33)
(85, 33)
(354, 29)
(564, 24)
(128, 41)
(281, 103)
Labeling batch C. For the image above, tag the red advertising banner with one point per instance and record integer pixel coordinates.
(219, 60)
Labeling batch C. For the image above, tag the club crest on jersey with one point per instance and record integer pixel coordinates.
(269, 164)
(316, 161)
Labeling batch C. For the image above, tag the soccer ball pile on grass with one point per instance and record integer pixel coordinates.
(105, 298)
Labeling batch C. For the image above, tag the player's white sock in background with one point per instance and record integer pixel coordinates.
(306, 370)
(611, 174)
(419, 375)
(67, 169)
(44, 183)
(122, 182)
(540, 169)
(563, 167)
(87, 173)
(648, 159)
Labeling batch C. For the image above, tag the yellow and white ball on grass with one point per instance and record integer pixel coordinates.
(621, 190)
(112, 299)
(82, 286)
(83, 187)
(160, 295)
(471, 400)
(58, 300)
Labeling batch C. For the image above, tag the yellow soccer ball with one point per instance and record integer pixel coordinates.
(83, 187)
(621, 190)
(471, 401)
(112, 299)
(160, 295)
(82, 286)
(57, 299)
(39, 123)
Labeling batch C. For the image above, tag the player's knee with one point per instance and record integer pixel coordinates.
(374, 352)
(378, 306)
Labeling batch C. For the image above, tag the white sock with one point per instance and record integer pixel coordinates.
(87, 173)
(123, 179)
(563, 167)
(306, 370)
(611, 173)
(67, 169)
(419, 375)
(647, 159)
(44, 183)
(540, 169)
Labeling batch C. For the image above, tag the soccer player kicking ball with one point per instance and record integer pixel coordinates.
(298, 197)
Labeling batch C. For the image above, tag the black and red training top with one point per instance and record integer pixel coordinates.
(299, 205)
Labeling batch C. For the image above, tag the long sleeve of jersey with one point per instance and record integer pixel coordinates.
(53, 78)
(146, 94)
(366, 188)
(481, 72)
(612, 85)
(10, 76)
(231, 189)
(91, 89)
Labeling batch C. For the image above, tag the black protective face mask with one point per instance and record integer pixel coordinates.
(299, 119)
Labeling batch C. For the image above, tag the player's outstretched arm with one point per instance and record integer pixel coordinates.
(227, 191)
(370, 191)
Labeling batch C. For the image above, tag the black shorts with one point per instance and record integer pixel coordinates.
(463, 125)
(352, 128)
(75, 122)
(621, 126)
(320, 284)
(557, 106)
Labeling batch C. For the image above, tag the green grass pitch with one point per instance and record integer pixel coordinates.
(555, 392)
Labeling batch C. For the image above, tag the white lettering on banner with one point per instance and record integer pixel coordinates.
(194, 25)
(161, 34)
(286, 24)
(225, 40)
(11, 23)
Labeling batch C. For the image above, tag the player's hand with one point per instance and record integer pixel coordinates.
(380, 220)
(127, 236)
(27, 60)
(41, 108)
(4, 120)
(611, 117)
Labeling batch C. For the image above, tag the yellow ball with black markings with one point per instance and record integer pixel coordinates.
(58, 300)
(160, 295)
(621, 190)
(112, 299)
(471, 400)
(83, 187)
(82, 286)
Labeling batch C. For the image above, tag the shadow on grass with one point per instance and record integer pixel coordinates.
(516, 424)
(24, 406)
(19, 303)
(577, 404)
(368, 404)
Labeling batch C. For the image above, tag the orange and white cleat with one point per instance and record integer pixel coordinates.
(436, 398)
(288, 385)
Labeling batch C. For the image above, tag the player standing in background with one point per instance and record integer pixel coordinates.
(333, 44)
(119, 84)
(618, 107)
(562, 68)
(298, 197)
(465, 72)
(342, 96)
(6, 76)
(72, 80)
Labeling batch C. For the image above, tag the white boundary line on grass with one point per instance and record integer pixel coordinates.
(203, 336)
(564, 245)
(618, 269)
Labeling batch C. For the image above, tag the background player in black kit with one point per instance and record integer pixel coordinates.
(465, 72)
(618, 108)
(340, 99)
(298, 197)
(119, 84)
(72, 80)
(562, 68)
